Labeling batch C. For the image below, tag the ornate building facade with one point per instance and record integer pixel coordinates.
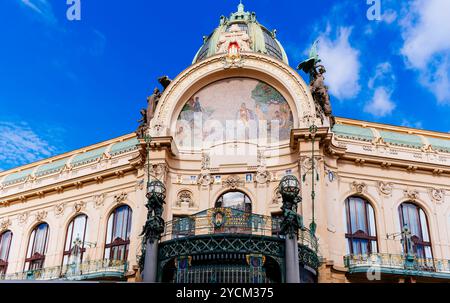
(374, 199)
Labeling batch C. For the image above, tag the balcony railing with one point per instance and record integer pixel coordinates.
(82, 271)
(398, 264)
(231, 221)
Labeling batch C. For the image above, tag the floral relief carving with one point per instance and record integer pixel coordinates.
(385, 188)
(99, 200)
(5, 224)
(120, 197)
(185, 198)
(411, 194)
(79, 206)
(359, 187)
(41, 215)
(23, 217)
(232, 182)
(437, 195)
(59, 209)
(205, 179)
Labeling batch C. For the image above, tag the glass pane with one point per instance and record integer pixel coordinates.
(109, 229)
(374, 247)
(5, 243)
(423, 222)
(30, 243)
(69, 237)
(373, 232)
(40, 239)
(236, 200)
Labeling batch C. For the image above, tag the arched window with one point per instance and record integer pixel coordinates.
(74, 246)
(37, 247)
(5, 245)
(361, 232)
(118, 233)
(235, 199)
(416, 220)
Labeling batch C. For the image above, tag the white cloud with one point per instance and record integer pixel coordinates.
(381, 103)
(42, 7)
(382, 84)
(389, 16)
(342, 63)
(426, 34)
(19, 145)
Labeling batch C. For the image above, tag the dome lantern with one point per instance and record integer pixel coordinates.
(242, 28)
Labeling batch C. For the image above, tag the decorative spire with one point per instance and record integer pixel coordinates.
(240, 7)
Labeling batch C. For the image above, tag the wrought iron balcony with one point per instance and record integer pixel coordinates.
(398, 264)
(82, 271)
(231, 221)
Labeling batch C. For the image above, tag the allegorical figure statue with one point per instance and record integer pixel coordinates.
(317, 85)
(319, 90)
(152, 102)
(142, 124)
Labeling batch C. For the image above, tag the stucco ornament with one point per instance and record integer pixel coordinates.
(262, 174)
(411, 194)
(185, 198)
(120, 197)
(23, 217)
(79, 206)
(277, 198)
(41, 215)
(59, 208)
(437, 195)
(5, 224)
(232, 182)
(159, 171)
(99, 200)
(359, 187)
(206, 161)
(205, 179)
(385, 188)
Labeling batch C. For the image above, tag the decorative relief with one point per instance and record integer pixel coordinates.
(411, 194)
(41, 215)
(205, 179)
(232, 182)
(59, 208)
(5, 224)
(185, 198)
(79, 206)
(99, 200)
(359, 187)
(437, 195)
(277, 198)
(385, 188)
(120, 197)
(262, 174)
(23, 217)
(139, 185)
(159, 171)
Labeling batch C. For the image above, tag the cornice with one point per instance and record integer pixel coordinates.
(72, 184)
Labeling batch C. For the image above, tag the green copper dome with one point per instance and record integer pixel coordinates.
(260, 40)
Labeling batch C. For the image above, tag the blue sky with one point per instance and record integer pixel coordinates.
(68, 84)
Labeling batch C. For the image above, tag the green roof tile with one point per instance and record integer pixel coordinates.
(401, 139)
(353, 132)
(88, 157)
(124, 146)
(17, 177)
(441, 145)
(50, 168)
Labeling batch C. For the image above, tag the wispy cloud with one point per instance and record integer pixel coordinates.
(19, 145)
(42, 9)
(342, 63)
(426, 44)
(382, 85)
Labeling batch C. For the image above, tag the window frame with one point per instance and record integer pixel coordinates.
(419, 224)
(118, 242)
(351, 235)
(36, 257)
(4, 263)
(83, 249)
